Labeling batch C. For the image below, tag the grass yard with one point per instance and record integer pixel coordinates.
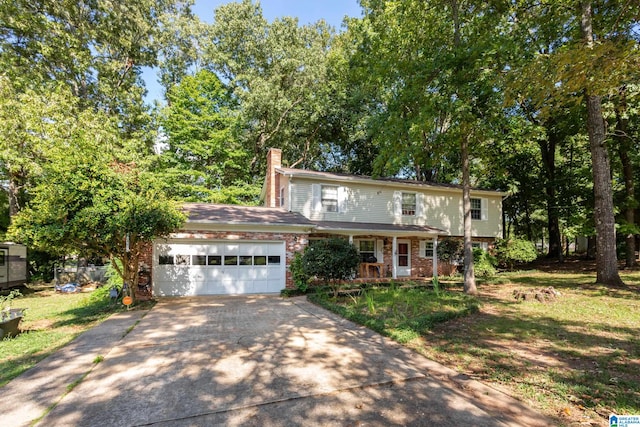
(52, 320)
(576, 359)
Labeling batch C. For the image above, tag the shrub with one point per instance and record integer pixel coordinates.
(331, 260)
(113, 278)
(484, 264)
(513, 251)
(450, 250)
(300, 278)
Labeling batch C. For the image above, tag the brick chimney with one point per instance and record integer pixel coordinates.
(274, 160)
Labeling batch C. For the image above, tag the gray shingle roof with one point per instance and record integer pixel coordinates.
(363, 178)
(258, 215)
(373, 227)
(236, 214)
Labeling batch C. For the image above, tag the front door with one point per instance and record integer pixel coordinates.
(403, 258)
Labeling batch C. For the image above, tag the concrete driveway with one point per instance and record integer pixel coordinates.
(268, 361)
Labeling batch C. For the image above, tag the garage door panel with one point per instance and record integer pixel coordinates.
(208, 268)
(197, 273)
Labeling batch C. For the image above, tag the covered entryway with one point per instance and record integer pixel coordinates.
(189, 268)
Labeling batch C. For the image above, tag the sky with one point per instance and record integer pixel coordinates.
(307, 11)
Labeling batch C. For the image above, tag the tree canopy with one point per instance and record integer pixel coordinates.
(539, 99)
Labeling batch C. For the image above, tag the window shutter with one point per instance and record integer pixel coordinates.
(423, 248)
(397, 204)
(342, 199)
(484, 204)
(316, 198)
(419, 205)
(380, 250)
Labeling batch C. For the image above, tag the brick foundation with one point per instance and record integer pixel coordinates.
(421, 267)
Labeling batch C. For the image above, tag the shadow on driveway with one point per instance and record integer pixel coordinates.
(267, 361)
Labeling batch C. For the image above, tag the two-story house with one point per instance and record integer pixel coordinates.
(395, 224)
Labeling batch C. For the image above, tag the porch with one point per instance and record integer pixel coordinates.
(387, 251)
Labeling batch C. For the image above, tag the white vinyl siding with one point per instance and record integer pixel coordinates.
(370, 203)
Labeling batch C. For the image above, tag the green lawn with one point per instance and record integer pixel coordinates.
(52, 320)
(576, 359)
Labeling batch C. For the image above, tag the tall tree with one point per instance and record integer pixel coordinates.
(436, 62)
(97, 49)
(201, 156)
(625, 141)
(278, 72)
(590, 54)
(606, 259)
(90, 202)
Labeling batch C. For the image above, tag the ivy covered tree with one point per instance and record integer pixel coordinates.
(278, 72)
(201, 158)
(96, 51)
(93, 202)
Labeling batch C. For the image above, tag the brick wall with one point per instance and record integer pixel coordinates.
(274, 160)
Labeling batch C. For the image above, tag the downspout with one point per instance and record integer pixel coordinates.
(394, 250)
(435, 257)
(504, 217)
(289, 192)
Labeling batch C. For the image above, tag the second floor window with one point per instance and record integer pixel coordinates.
(281, 202)
(408, 204)
(329, 198)
(476, 208)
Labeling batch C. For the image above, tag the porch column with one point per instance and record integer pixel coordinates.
(394, 258)
(350, 239)
(435, 257)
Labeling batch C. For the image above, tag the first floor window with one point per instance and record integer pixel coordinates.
(480, 245)
(367, 249)
(428, 249)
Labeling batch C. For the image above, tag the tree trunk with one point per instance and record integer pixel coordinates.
(548, 151)
(469, 274)
(624, 147)
(606, 259)
(15, 193)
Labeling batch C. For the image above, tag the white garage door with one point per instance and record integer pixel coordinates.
(215, 268)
